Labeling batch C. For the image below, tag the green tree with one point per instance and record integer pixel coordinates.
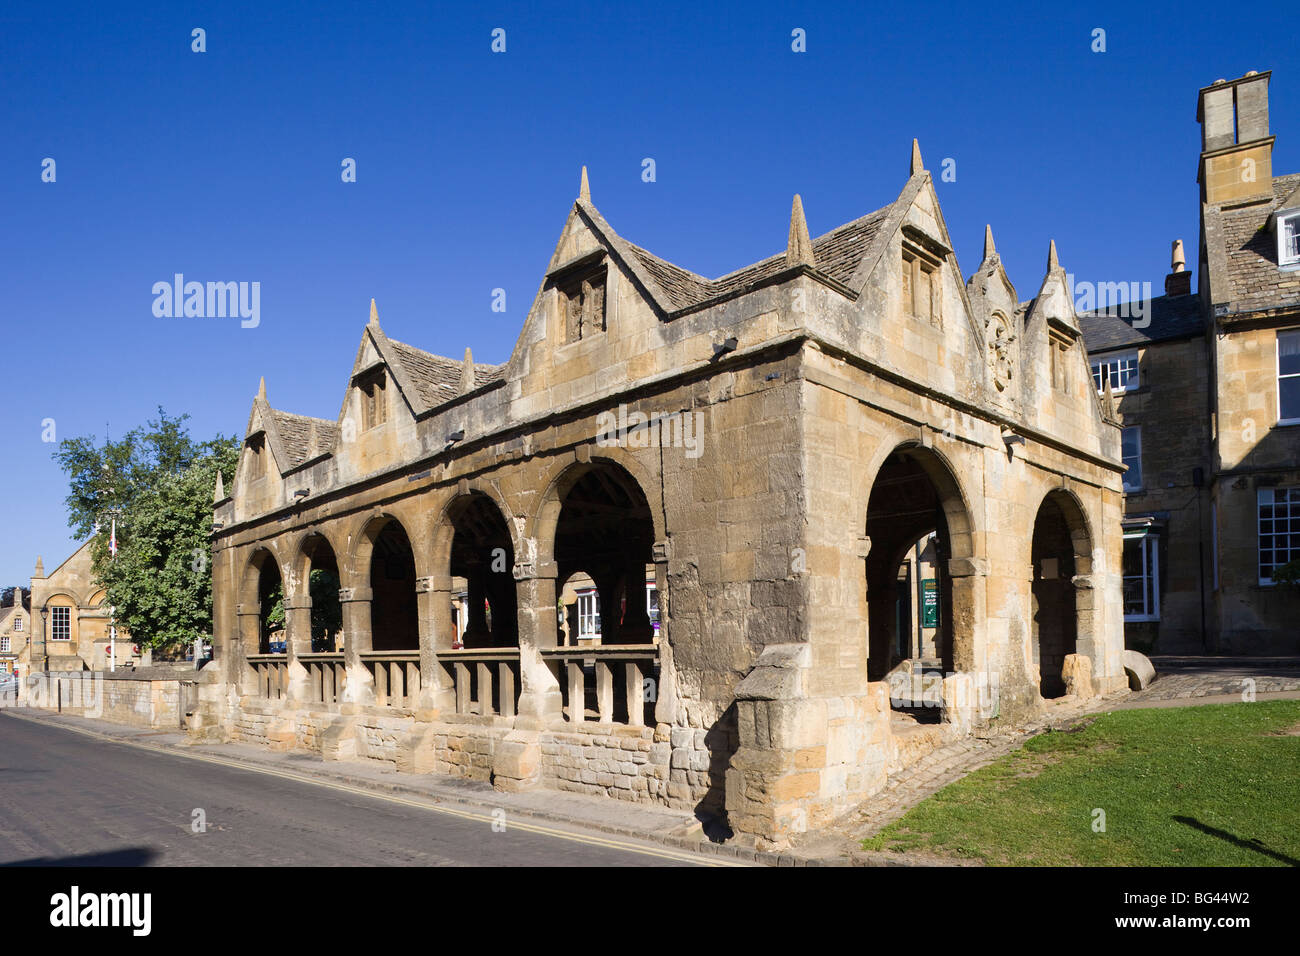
(156, 482)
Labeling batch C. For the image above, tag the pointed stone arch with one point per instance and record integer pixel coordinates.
(474, 540)
(262, 576)
(914, 491)
(384, 557)
(1061, 598)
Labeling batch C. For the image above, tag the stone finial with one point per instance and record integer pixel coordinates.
(799, 248)
(40, 568)
(917, 165)
(1108, 400)
(584, 188)
(374, 313)
(1052, 262)
(219, 492)
(990, 250)
(261, 388)
(1178, 258)
(467, 373)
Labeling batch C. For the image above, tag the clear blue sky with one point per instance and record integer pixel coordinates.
(225, 166)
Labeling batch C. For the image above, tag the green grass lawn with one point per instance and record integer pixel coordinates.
(1187, 786)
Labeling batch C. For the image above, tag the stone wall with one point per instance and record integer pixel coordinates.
(140, 700)
(1170, 408)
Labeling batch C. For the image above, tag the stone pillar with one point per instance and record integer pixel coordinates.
(539, 698)
(437, 690)
(250, 642)
(969, 577)
(357, 639)
(297, 629)
(665, 692)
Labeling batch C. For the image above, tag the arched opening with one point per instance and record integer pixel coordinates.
(606, 532)
(603, 549)
(1060, 550)
(916, 523)
(270, 604)
(484, 603)
(394, 609)
(320, 570)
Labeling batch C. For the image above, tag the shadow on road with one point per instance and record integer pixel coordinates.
(130, 856)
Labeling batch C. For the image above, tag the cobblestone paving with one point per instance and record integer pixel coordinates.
(944, 765)
(1189, 677)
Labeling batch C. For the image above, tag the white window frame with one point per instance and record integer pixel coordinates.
(18, 623)
(54, 623)
(1290, 375)
(1110, 365)
(651, 593)
(1292, 517)
(589, 615)
(4, 644)
(1150, 543)
(1284, 256)
(1136, 431)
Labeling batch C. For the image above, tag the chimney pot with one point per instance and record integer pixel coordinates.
(1179, 281)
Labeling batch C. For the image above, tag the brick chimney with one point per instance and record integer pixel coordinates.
(1236, 149)
(1179, 280)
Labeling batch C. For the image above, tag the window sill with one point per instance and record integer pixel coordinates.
(1286, 423)
(1141, 619)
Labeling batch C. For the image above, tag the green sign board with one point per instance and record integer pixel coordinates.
(929, 602)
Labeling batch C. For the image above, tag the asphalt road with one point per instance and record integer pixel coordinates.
(66, 798)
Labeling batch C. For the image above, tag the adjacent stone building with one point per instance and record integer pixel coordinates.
(771, 445)
(72, 624)
(1208, 386)
(15, 633)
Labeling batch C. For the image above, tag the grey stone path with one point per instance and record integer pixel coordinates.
(1180, 678)
(950, 763)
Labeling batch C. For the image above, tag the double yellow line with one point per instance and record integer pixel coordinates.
(610, 843)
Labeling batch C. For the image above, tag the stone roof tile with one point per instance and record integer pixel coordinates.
(837, 253)
(437, 378)
(1251, 279)
(303, 437)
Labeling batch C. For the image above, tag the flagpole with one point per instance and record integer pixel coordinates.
(112, 626)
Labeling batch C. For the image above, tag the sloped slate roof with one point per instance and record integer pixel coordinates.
(1249, 278)
(436, 378)
(1171, 317)
(837, 254)
(302, 436)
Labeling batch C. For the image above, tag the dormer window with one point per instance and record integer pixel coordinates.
(257, 456)
(1288, 239)
(922, 289)
(583, 303)
(374, 401)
